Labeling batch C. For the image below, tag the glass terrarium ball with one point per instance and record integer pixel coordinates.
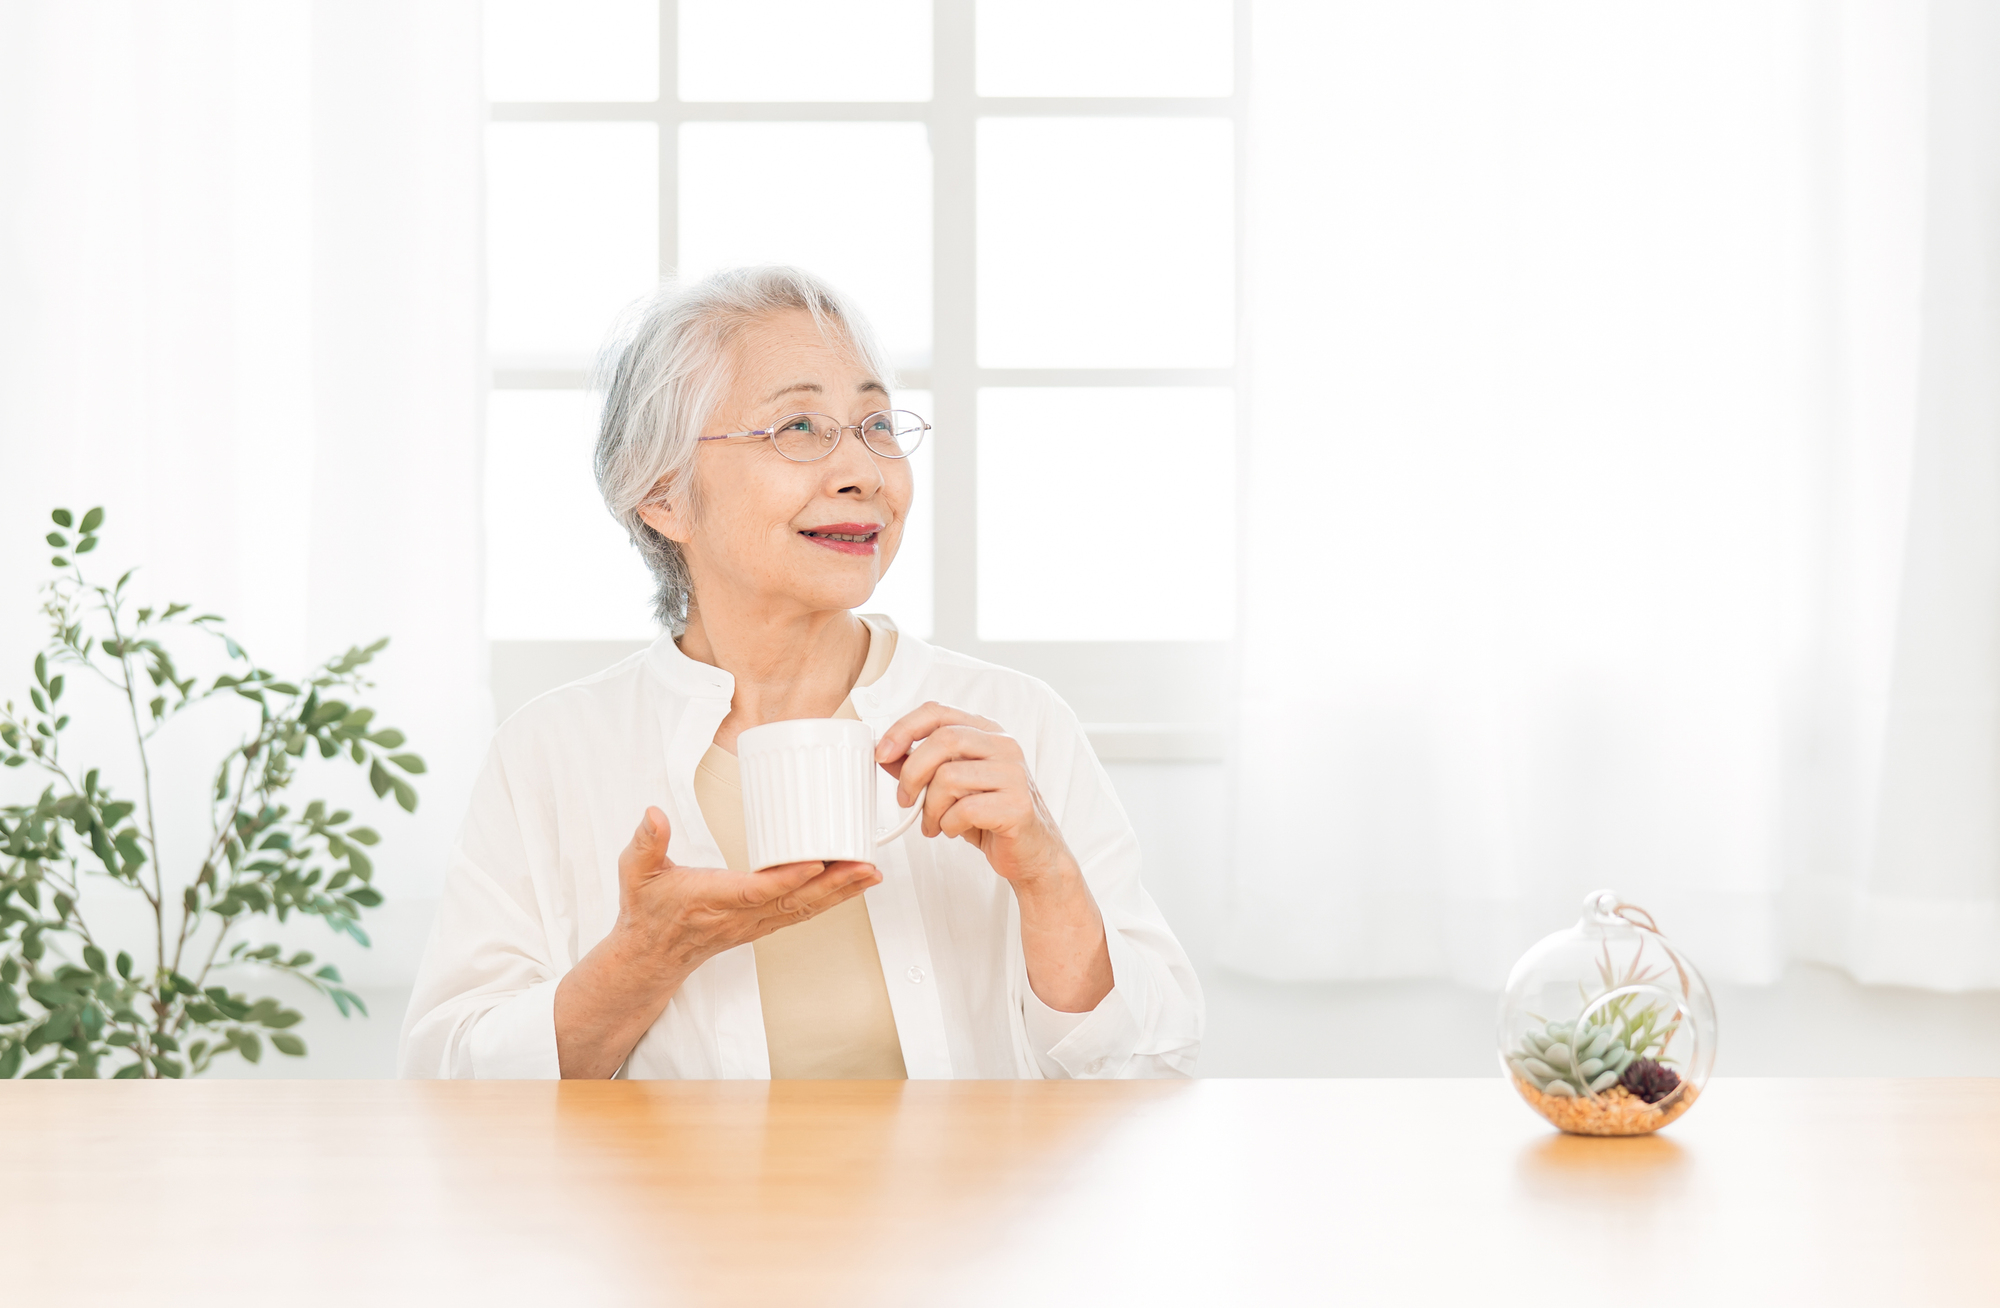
(1606, 1028)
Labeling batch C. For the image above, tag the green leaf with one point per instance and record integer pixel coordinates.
(129, 1072)
(56, 561)
(406, 794)
(358, 864)
(289, 1044)
(248, 1045)
(93, 958)
(42, 670)
(328, 973)
(124, 965)
(93, 519)
(86, 545)
(387, 738)
(409, 763)
(10, 1063)
(331, 711)
(364, 836)
(61, 518)
(57, 539)
(379, 778)
(366, 896)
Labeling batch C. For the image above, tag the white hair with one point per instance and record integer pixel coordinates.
(663, 375)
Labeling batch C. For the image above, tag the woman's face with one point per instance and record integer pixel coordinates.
(777, 535)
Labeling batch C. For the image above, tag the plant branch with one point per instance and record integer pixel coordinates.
(159, 896)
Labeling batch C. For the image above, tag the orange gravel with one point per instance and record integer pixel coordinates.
(1617, 1111)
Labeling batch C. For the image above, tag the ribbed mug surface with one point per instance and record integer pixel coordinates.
(808, 791)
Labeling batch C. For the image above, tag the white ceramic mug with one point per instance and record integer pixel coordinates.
(809, 788)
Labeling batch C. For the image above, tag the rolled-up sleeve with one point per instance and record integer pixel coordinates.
(484, 1001)
(1150, 1025)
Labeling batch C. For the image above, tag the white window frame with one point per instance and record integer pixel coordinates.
(1140, 700)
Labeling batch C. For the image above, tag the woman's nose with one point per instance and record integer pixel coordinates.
(852, 459)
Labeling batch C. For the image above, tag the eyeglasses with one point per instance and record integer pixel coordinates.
(803, 437)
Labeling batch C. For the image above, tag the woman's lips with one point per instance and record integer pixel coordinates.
(845, 537)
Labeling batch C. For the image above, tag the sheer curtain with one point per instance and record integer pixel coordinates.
(1620, 497)
(239, 307)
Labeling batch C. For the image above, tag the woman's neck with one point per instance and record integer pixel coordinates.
(797, 666)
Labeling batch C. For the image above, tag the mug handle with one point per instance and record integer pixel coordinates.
(910, 815)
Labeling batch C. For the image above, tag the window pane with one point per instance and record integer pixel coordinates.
(1106, 243)
(1106, 513)
(805, 50)
(572, 233)
(1105, 47)
(557, 566)
(905, 593)
(572, 50)
(792, 193)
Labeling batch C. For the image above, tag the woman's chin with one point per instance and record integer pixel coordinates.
(844, 593)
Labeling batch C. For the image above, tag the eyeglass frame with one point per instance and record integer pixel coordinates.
(770, 433)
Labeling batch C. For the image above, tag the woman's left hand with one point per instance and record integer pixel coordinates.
(979, 788)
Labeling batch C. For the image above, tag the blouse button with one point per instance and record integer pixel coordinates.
(916, 975)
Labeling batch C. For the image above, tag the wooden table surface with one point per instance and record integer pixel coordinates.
(883, 1193)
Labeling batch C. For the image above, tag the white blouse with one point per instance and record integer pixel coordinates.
(533, 886)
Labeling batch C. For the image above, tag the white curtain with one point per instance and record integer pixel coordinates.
(1622, 495)
(240, 308)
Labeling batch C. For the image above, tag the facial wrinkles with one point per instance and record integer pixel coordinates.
(765, 495)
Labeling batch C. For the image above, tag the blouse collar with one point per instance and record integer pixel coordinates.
(698, 680)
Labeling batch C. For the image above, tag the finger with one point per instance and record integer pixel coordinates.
(646, 853)
(921, 722)
(959, 778)
(941, 747)
(828, 891)
(755, 889)
(837, 883)
(988, 810)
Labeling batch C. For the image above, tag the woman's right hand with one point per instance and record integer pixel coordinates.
(672, 919)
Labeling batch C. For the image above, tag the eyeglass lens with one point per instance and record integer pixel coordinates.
(807, 436)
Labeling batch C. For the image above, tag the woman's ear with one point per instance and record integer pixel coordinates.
(666, 517)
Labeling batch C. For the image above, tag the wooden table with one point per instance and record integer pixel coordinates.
(1216, 1192)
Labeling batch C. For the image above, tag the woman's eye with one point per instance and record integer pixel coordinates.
(798, 424)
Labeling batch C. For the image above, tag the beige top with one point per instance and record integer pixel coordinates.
(826, 1007)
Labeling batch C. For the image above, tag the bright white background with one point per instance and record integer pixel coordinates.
(1583, 423)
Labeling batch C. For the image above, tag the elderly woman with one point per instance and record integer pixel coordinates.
(600, 917)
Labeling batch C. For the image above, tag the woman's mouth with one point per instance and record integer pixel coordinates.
(846, 537)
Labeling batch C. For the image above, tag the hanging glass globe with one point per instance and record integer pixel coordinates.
(1606, 1028)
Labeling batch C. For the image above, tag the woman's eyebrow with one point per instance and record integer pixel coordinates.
(817, 389)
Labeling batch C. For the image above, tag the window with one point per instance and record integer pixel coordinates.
(1058, 291)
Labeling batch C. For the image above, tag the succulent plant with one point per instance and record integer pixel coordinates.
(1563, 1058)
(1648, 1080)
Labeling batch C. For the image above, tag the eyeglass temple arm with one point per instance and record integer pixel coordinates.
(852, 426)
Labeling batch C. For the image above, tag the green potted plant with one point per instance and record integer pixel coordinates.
(76, 1004)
